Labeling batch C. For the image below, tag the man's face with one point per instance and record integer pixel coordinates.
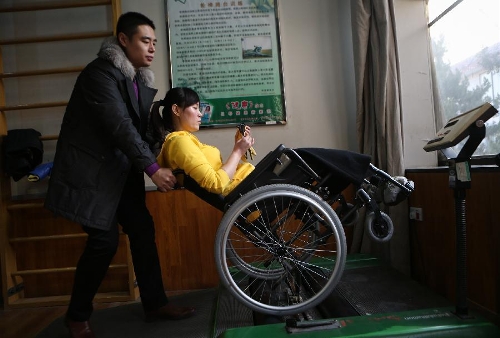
(140, 50)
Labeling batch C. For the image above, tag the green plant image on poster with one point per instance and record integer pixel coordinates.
(228, 52)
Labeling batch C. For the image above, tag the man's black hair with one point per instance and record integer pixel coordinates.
(128, 22)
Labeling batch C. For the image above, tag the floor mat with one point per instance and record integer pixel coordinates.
(383, 289)
(127, 321)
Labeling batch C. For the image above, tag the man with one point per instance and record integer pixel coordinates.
(97, 179)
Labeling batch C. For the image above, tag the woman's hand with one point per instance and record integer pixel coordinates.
(243, 142)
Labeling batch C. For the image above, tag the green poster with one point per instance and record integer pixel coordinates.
(228, 51)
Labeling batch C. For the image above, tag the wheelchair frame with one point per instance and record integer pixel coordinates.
(280, 248)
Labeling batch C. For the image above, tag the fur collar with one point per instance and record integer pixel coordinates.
(112, 52)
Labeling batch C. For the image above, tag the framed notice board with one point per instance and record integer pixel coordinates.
(229, 53)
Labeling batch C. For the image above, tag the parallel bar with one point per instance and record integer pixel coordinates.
(49, 137)
(34, 106)
(21, 205)
(42, 72)
(66, 37)
(44, 238)
(64, 300)
(49, 237)
(54, 5)
(52, 270)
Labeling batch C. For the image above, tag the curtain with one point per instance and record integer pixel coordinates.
(378, 116)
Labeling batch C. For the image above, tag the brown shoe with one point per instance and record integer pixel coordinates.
(79, 329)
(169, 312)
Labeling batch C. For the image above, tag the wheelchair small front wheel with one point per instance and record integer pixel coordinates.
(280, 249)
(379, 229)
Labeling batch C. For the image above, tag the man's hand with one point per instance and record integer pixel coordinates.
(164, 179)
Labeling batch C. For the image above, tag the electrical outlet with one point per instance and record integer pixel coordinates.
(416, 214)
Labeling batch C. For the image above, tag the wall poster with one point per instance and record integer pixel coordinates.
(229, 53)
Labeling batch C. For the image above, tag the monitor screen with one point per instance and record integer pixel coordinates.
(456, 129)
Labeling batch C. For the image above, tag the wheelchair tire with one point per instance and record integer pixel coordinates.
(380, 231)
(286, 260)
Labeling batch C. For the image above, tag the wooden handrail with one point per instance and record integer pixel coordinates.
(42, 72)
(50, 237)
(44, 238)
(53, 137)
(79, 36)
(49, 137)
(54, 5)
(34, 106)
(52, 270)
(117, 296)
(24, 205)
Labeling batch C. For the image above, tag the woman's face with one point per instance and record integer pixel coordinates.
(189, 118)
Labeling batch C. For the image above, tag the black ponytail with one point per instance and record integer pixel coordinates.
(157, 131)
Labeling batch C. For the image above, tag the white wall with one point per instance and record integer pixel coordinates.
(318, 67)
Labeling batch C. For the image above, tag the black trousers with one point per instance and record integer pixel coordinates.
(136, 221)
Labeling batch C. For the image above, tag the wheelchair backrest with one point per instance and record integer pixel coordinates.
(282, 165)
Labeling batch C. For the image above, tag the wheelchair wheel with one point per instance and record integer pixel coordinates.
(280, 249)
(379, 230)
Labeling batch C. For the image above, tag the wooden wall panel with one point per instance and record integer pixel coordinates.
(55, 253)
(185, 236)
(483, 225)
(433, 239)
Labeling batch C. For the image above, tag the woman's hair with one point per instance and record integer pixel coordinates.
(161, 125)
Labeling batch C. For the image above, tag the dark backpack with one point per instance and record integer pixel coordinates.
(23, 151)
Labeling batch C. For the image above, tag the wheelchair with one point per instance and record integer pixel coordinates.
(280, 247)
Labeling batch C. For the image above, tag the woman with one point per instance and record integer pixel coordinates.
(180, 118)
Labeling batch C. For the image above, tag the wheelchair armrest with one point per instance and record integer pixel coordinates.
(273, 169)
(302, 163)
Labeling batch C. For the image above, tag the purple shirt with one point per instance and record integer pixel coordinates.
(153, 168)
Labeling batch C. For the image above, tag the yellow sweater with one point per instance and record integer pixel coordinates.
(183, 150)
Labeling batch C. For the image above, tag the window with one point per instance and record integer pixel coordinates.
(465, 38)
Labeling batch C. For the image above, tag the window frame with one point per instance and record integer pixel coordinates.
(440, 117)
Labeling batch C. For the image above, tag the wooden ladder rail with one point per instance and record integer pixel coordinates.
(11, 277)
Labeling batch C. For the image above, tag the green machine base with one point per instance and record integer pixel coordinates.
(420, 323)
(382, 303)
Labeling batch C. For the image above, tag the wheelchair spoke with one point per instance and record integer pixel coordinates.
(276, 244)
